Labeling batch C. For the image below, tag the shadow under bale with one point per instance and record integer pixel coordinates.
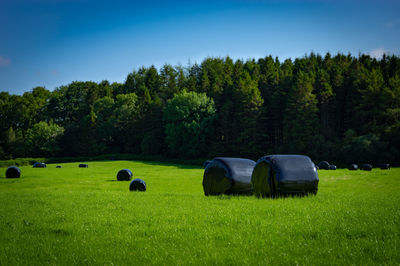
(366, 167)
(39, 165)
(224, 175)
(137, 185)
(124, 175)
(284, 175)
(13, 172)
(83, 165)
(353, 167)
(324, 165)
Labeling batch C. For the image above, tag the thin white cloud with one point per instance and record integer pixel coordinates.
(389, 24)
(4, 61)
(54, 72)
(392, 24)
(378, 53)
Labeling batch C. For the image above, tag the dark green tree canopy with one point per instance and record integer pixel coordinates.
(188, 117)
(338, 108)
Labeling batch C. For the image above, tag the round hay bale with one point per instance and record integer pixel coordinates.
(332, 167)
(39, 165)
(324, 165)
(262, 178)
(224, 175)
(13, 172)
(124, 175)
(137, 185)
(281, 175)
(83, 165)
(384, 166)
(206, 163)
(353, 167)
(366, 167)
(58, 166)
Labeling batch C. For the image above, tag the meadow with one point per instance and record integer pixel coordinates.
(84, 216)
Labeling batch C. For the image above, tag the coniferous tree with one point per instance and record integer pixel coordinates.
(300, 118)
(320, 106)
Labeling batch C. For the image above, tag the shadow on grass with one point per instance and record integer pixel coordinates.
(60, 232)
(179, 165)
(229, 196)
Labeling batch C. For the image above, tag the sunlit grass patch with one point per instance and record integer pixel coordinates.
(77, 215)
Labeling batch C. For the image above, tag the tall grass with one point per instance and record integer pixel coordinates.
(84, 216)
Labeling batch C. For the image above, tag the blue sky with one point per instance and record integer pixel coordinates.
(54, 42)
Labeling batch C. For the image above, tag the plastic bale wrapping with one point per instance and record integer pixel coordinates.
(366, 167)
(224, 175)
(137, 185)
(324, 165)
(124, 175)
(206, 163)
(261, 179)
(384, 166)
(332, 167)
(284, 175)
(39, 165)
(353, 167)
(13, 172)
(83, 165)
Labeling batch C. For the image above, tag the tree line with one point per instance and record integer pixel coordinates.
(339, 108)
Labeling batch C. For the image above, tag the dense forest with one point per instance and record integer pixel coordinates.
(339, 108)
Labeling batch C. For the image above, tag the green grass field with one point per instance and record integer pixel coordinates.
(84, 216)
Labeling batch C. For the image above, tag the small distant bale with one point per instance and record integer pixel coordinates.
(137, 185)
(324, 165)
(58, 166)
(13, 172)
(366, 167)
(83, 165)
(124, 175)
(39, 165)
(384, 166)
(353, 167)
(332, 167)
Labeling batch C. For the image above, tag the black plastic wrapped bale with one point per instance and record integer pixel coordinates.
(137, 185)
(228, 176)
(366, 167)
(83, 165)
(58, 166)
(206, 163)
(332, 167)
(39, 165)
(384, 166)
(13, 172)
(282, 175)
(353, 167)
(324, 165)
(124, 175)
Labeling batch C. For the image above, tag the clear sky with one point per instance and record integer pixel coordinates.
(54, 42)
